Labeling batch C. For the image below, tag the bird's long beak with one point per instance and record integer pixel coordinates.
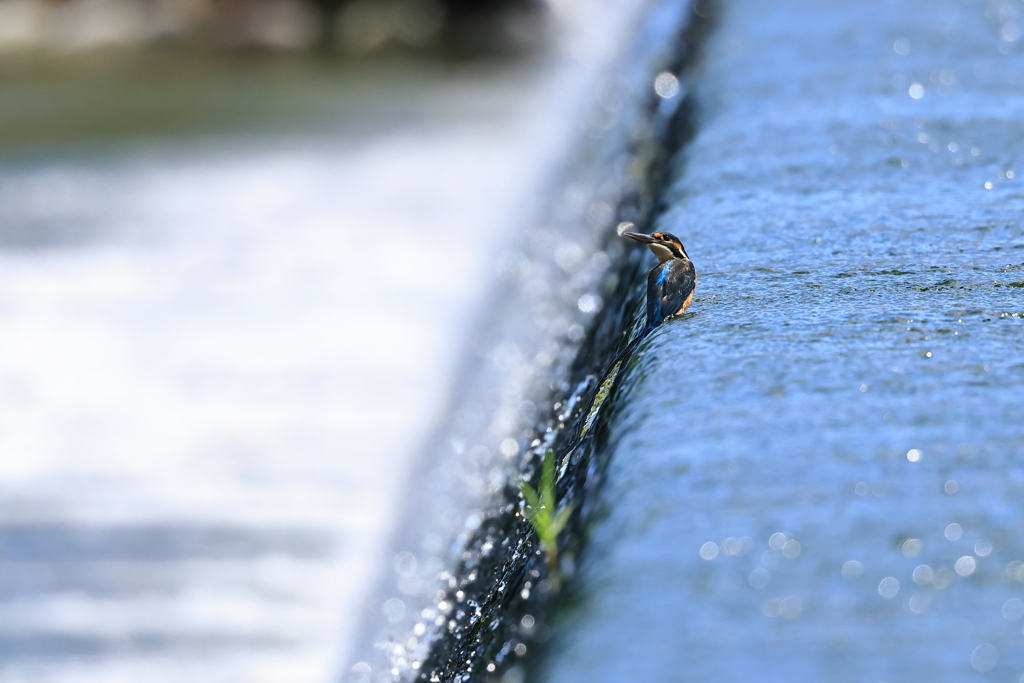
(640, 237)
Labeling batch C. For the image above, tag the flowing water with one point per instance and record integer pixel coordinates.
(815, 474)
(810, 476)
(230, 296)
(465, 596)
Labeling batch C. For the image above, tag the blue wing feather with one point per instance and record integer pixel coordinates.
(669, 289)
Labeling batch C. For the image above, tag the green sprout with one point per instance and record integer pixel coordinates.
(540, 512)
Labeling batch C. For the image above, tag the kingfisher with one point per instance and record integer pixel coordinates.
(671, 283)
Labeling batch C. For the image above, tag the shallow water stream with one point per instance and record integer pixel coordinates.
(815, 474)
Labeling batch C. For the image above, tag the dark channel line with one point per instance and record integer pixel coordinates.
(501, 600)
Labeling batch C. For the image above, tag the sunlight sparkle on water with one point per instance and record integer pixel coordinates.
(737, 546)
(965, 566)
(984, 657)
(923, 575)
(911, 547)
(889, 587)
(509, 448)
(590, 303)
(666, 85)
(1013, 609)
(759, 578)
(919, 602)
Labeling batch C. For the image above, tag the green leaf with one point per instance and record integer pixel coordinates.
(560, 520)
(547, 482)
(540, 511)
(530, 495)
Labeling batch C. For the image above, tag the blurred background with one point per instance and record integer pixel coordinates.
(241, 244)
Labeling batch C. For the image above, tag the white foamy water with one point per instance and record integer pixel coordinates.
(217, 367)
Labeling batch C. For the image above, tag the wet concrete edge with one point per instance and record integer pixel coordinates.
(499, 575)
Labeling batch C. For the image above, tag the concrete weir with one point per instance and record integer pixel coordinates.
(814, 474)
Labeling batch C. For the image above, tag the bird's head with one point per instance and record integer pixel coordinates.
(665, 245)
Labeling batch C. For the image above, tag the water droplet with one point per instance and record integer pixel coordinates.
(919, 603)
(405, 564)
(954, 532)
(590, 303)
(1013, 609)
(666, 85)
(509, 448)
(709, 550)
(984, 657)
(965, 566)
(888, 587)
(394, 610)
(911, 547)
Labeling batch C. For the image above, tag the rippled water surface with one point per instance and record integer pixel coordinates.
(815, 474)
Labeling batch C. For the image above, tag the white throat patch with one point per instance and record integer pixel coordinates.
(661, 252)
